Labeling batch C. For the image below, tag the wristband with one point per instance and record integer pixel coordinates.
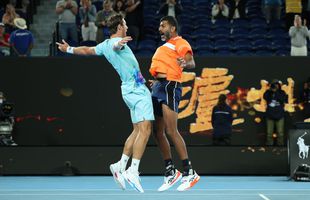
(70, 50)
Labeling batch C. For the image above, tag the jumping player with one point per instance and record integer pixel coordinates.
(135, 94)
(167, 65)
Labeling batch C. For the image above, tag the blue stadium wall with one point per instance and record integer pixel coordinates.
(71, 109)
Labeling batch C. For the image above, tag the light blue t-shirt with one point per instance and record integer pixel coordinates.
(124, 62)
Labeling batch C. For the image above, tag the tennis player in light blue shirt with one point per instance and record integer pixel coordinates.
(135, 94)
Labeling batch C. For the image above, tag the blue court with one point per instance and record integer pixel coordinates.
(103, 187)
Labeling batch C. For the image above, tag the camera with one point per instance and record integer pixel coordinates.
(6, 122)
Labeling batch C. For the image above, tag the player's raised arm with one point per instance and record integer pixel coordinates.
(120, 44)
(83, 50)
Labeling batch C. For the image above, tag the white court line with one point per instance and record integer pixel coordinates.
(264, 197)
(135, 194)
(148, 194)
(85, 190)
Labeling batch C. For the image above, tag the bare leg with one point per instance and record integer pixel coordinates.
(141, 139)
(161, 139)
(171, 123)
(130, 141)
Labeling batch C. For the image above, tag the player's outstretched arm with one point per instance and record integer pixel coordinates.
(64, 47)
(120, 44)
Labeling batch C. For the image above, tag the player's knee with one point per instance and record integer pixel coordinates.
(172, 132)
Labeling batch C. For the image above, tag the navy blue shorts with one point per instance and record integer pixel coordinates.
(168, 93)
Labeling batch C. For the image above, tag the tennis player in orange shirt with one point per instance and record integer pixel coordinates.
(167, 65)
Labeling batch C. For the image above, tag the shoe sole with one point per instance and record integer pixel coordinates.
(179, 177)
(116, 179)
(192, 184)
(132, 184)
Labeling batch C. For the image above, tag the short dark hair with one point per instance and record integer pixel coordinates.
(114, 21)
(171, 21)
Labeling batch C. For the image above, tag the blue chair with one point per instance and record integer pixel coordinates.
(242, 45)
(243, 53)
(261, 44)
(276, 33)
(221, 23)
(223, 53)
(222, 45)
(263, 53)
(257, 34)
(240, 23)
(282, 52)
(204, 53)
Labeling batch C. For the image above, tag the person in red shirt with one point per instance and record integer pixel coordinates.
(167, 65)
(4, 40)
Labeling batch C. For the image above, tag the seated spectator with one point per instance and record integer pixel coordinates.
(21, 40)
(8, 18)
(67, 11)
(299, 34)
(220, 10)
(272, 10)
(222, 122)
(170, 8)
(237, 9)
(4, 41)
(88, 17)
(133, 18)
(119, 7)
(101, 21)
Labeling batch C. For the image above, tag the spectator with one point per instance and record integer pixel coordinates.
(222, 122)
(88, 17)
(21, 40)
(4, 41)
(220, 10)
(20, 5)
(292, 8)
(8, 18)
(67, 11)
(170, 8)
(119, 7)
(237, 9)
(133, 19)
(275, 98)
(306, 99)
(299, 34)
(101, 21)
(272, 10)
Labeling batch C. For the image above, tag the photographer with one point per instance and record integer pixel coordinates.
(6, 122)
(276, 99)
(306, 98)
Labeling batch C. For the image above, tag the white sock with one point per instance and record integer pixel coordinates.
(123, 162)
(135, 164)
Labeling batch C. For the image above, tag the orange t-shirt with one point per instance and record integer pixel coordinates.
(165, 58)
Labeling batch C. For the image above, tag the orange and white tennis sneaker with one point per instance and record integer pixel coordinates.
(189, 180)
(169, 181)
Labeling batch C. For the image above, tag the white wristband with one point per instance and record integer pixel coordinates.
(70, 50)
